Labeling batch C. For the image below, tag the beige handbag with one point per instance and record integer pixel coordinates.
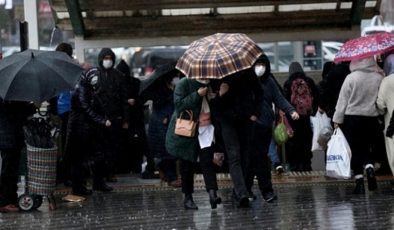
(186, 128)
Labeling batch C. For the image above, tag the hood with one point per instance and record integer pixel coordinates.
(104, 52)
(326, 68)
(366, 65)
(123, 68)
(264, 59)
(295, 67)
(389, 65)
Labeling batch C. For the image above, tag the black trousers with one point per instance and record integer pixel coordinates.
(9, 176)
(360, 132)
(207, 168)
(257, 159)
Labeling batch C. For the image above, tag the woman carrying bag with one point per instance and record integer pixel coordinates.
(191, 105)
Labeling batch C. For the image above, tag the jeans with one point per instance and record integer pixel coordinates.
(231, 140)
(273, 154)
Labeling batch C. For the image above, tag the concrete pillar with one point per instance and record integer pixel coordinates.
(298, 52)
(79, 48)
(31, 16)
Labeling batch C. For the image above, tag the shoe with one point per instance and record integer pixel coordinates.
(252, 197)
(149, 175)
(112, 179)
(188, 203)
(9, 208)
(243, 202)
(81, 191)
(359, 189)
(102, 187)
(214, 200)
(269, 197)
(372, 185)
(279, 170)
(175, 183)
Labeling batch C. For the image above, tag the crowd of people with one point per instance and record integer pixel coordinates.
(103, 130)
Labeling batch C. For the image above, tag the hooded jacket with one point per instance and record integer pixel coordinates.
(272, 94)
(359, 91)
(101, 93)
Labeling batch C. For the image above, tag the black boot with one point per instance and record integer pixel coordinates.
(372, 185)
(188, 202)
(81, 191)
(214, 200)
(359, 189)
(100, 185)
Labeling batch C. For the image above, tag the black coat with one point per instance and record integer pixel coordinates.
(13, 115)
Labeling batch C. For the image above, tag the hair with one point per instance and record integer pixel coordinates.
(66, 48)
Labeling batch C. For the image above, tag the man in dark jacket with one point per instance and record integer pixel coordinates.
(100, 105)
(12, 117)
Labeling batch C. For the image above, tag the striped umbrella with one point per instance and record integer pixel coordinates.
(218, 55)
(366, 46)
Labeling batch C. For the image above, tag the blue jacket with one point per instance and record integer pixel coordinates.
(64, 103)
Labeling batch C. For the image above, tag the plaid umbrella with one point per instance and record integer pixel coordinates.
(218, 55)
(366, 46)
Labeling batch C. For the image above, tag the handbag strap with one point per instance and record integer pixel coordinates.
(189, 112)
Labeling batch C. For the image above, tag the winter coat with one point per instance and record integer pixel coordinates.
(13, 115)
(332, 86)
(162, 108)
(185, 98)
(359, 91)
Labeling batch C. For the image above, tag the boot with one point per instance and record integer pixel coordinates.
(359, 189)
(100, 185)
(214, 200)
(188, 202)
(372, 185)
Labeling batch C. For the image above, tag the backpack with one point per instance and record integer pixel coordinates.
(301, 96)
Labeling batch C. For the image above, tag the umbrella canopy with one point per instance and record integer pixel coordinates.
(366, 46)
(34, 75)
(218, 55)
(161, 72)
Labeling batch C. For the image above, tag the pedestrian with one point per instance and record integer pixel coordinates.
(238, 103)
(13, 115)
(385, 103)
(261, 133)
(301, 91)
(162, 97)
(193, 96)
(357, 115)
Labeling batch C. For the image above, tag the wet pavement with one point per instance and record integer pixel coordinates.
(303, 204)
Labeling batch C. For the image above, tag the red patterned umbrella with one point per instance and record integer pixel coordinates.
(366, 46)
(218, 55)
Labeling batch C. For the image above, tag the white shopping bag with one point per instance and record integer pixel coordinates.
(321, 126)
(338, 156)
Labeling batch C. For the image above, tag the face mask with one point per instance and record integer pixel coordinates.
(174, 80)
(205, 82)
(259, 70)
(107, 63)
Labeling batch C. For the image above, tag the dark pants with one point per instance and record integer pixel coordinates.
(9, 176)
(257, 159)
(168, 166)
(207, 168)
(359, 132)
(298, 148)
(231, 140)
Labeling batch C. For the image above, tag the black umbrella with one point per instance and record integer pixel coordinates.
(162, 72)
(34, 75)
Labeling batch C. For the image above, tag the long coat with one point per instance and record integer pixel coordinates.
(185, 98)
(385, 102)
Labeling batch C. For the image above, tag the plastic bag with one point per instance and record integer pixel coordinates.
(338, 156)
(280, 133)
(322, 131)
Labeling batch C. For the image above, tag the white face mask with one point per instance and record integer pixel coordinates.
(259, 70)
(174, 80)
(205, 82)
(107, 63)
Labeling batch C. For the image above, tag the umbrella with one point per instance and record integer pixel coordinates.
(218, 55)
(167, 70)
(34, 75)
(366, 46)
